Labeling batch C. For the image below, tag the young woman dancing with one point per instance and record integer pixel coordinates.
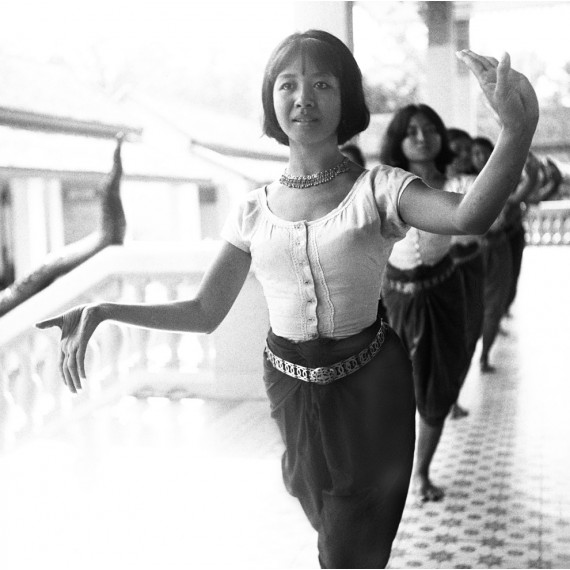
(338, 379)
(422, 290)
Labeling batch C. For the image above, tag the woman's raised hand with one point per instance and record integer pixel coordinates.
(77, 325)
(509, 92)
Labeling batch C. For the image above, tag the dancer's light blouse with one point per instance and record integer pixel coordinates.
(322, 278)
(424, 248)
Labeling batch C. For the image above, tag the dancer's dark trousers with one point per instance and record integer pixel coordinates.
(431, 325)
(349, 445)
(517, 241)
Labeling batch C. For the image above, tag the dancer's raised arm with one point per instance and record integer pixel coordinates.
(514, 101)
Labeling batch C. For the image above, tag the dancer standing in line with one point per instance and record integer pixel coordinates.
(502, 248)
(422, 290)
(460, 143)
(338, 379)
(466, 254)
(513, 222)
(497, 271)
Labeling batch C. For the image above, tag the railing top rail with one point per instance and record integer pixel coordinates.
(149, 258)
(553, 205)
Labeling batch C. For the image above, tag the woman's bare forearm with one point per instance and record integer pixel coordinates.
(500, 176)
(218, 291)
(175, 316)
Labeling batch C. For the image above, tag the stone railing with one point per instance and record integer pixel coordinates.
(548, 223)
(127, 360)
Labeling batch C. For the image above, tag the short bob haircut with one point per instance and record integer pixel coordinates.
(330, 54)
(391, 152)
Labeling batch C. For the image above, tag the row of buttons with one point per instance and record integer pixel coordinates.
(302, 256)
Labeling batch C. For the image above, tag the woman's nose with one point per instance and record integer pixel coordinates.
(304, 97)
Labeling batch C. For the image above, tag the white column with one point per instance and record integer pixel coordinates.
(54, 215)
(450, 90)
(333, 17)
(30, 226)
(186, 212)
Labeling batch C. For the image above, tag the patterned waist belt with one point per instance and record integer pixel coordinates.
(412, 287)
(336, 371)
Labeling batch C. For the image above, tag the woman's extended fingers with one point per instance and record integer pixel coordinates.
(64, 371)
(478, 64)
(503, 69)
(73, 345)
(51, 322)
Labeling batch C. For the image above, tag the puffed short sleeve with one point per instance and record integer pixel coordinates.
(241, 222)
(388, 183)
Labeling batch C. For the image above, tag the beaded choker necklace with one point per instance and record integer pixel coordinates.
(315, 179)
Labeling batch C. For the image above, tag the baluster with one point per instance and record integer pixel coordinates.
(174, 340)
(139, 338)
(534, 226)
(566, 229)
(556, 226)
(208, 351)
(31, 384)
(16, 417)
(6, 405)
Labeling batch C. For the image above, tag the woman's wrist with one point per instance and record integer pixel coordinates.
(520, 134)
(102, 311)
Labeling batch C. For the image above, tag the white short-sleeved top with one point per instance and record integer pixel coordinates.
(322, 278)
(424, 248)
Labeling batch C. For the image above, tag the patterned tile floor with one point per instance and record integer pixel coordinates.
(153, 484)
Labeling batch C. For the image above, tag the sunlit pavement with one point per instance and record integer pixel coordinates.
(169, 485)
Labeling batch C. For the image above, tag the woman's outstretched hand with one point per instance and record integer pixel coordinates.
(509, 92)
(77, 325)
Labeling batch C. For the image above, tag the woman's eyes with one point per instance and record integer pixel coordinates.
(288, 86)
(430, 131)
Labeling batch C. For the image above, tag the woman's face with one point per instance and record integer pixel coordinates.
(307, 102)
(461, 163)
(422, 142)
(479, 155)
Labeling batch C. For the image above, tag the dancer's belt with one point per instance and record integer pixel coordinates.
(413, 287)
(462, 253)
(336, 371)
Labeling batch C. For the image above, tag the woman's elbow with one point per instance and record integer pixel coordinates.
(470, 223)
(477, 228)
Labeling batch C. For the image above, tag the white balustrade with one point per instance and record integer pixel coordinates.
(127, 360)
(548, 223)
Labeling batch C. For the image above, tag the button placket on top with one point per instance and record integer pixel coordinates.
(307, 281)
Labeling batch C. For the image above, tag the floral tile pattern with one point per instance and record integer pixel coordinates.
(505, 466)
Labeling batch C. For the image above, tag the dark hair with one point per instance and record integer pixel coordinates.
(484, 142)
(334, 57)
(354, 153)
(453, 134)
(391, 152)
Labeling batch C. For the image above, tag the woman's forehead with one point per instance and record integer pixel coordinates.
(420, 119)
(307, 57)
(303, 65)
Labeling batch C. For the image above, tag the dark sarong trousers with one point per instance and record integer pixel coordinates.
(349, 444)
(498, 270)
(469, 263)
(430, 321)
(516, 236)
